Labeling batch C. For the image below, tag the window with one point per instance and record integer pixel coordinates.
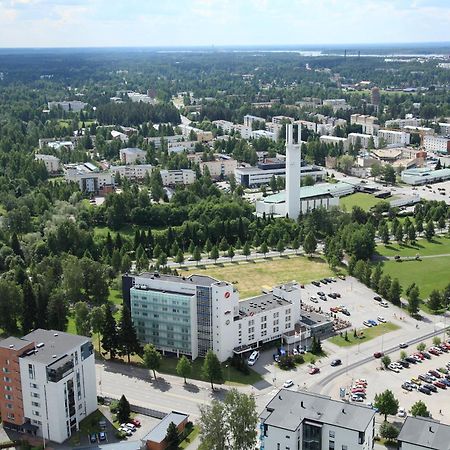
(9, 406)
(251, 329)
(288, 318)
(275, 315)
(275, 322)
(331, 445)
(263, 326)
(331, 434)
(11, 416)
(8, 397)
(33, 385)
(5, 370)
(7, 379)
(8, 388)
(288, 311)
(275, 329)
(36, 404)
(36, 413)
(31, 371)
(251, 337)
(344, 447)
(251, 322)
(35, 395)
(264, 319)
(7, 362)
(264, 333)
(288, 325)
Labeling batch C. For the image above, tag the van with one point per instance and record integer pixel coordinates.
(253, 358)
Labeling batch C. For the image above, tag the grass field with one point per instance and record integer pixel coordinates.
(365, 201)
(428, 274)
(369, 334)
(250, 277)
(190, 438)
(440, 245)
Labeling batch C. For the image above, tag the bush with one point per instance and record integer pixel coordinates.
(113, 406)
(286, 362)
(100, 400)
(298, 359)
(239, 364)
(121, 435)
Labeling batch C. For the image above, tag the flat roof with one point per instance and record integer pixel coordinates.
(132, 150)
(288, 409)
(201, 280)
(16, 343)
(160, 431)
(55, 343)
(426, 433)
(260, 303)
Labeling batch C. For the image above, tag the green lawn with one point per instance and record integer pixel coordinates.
(190, 437)
(251, 277)
(369, 334)
(438, 246)
(231, 375)
(428, 274)
(365, 201)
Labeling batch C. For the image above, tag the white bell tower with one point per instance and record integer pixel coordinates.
(293, 158)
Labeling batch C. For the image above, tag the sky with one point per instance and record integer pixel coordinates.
(172, 23)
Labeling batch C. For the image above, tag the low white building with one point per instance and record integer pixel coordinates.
(132, 171)
(401, 123)
(132, 155)
(119, 136)
(392, 137)
(364, 139)
(202, 136)
(438, 144)
(256, 134)
(444, 128)
(158, 140)
(89, 179)
(137, 97)
(52, 163)
(336, 104)
(68, 106)
(334, 140)
(293, 420)
(225, 125)
(422, 433)
(174, 177)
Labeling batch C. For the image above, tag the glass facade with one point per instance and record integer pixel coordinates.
(162, 318)
(311, 437)
(204, 320)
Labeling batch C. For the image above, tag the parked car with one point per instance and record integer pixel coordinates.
(336, 362)
(407, 387)
(433, 351)
(356, 398)
(314, 370)
(126, 431)
(384, 304)
(102, 436)
(416, 381)
(321, 294)
(314, 299)
(93, 438)
(403, 363)
(401, 412)
(378, 354)
(403, 345)
(316, 283)
(337, 295)
(288, 384)
(425, 378)
(411, 360)
(345, 312)
(377, 298)
(367, 324)
(424, 390)
(426, 355)
(419, 355)
(253, 358)
(440, 384)
(445, 381)
(331, 295)
(136, 422)
(431, 387)
(374, 323)
(356, 390)
(381, 319)
(443, 370)
(435, 373)
(393, 367)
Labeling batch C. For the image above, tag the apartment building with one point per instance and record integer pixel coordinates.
(48, 382)
(174, 177)
(401, 123)
(132, 171)
(68, 106)
(334, 140)
(422, 433)
(157, 141)
(223, 166)
(305, 420)
(52, 163)
(249, 120)
(191, 315)
(202, 136)
(369, 124)
(89, 179)
(438, 144)
(364, 139)
(132, 155)
(444, 128)
(336, 104)
(391, 137)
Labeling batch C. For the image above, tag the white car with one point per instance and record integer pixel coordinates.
(401, 412)
(314, 300)
(131, 427)
(253, 358)
(367, 324)
(381, 319)
(126, 431)
(288, 384)
(384, 304)
(393, 367)
(357, 398)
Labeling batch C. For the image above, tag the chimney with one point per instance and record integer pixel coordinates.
(343, 411)
(302, 404)
(431, 430)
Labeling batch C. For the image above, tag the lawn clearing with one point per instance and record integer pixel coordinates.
(369, 334)
(365, 201)
(190, 437)
(428, 273)
(440, 245)
(250, 277)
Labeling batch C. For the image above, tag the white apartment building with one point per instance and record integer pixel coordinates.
(223, 166)
(422, 433)
(72, 105)
(438, 144)
(399, 138)
(158, 140)
(244, 131)
(180, 147)
(336, 104)
(363, 139)
(444, 128)
(249, 119)
(50, 377)
(118, 135)
(369, 124)
(132, 171)
(282, 119)
(202, 136)
(401, 123)
(335, 141)
(174, 177)
(311, 126)
(256, 134)
(137, 97)
(88, 178)
(225, 125)
(52, 163)
(132, 155)
(293, 420)
(191, 315)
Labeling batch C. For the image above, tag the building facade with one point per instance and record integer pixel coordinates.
(392, 137)
(50, 384)
(174, 177)
(89, 179)
(369, 124)
(304, 420)
(132, 171)
(223, 166)
(132, 155)
(191, 315)
(52, 163)
(438, 144)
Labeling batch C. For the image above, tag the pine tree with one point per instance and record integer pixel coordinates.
(29, 308)
(264, 249)
(116, 261)
(172, 438)
(123, 410)
(214, 253)
(246, 250)
(128, 341)
(196, 255)
(110, 341)
(57, 311)
(179, 258)
(280, 246)
(310, 243)
(41, 307)
(15, 245)
(231, 252)
(126, 263)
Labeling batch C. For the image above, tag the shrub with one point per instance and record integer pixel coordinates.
(298, 359)
(286, 362)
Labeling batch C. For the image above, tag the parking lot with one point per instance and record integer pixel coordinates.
(357, 299)
(378, 380)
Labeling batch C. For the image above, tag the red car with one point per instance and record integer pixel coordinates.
(136, 422)
(419, 355)
(435, 373)
(314, 370)
(440, 384)
(433, 352)
(378, 354)
(358, 390)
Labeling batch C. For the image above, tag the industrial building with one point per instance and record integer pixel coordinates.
(307, 420)
(48, 384)
(420, 176)
(191, 315)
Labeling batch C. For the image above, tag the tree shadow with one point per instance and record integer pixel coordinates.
(190, 387)
(161, 384)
